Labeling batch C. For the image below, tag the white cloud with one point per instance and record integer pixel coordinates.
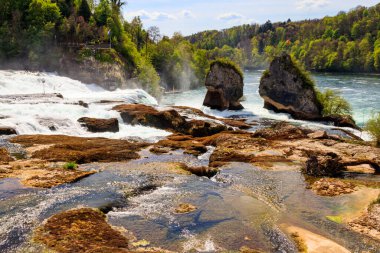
(187, 14)
(312, 4)
(159, 16)
(233, 18)
(154, 16)
(230, 16)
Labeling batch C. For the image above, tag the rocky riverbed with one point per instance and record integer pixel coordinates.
(213, 185)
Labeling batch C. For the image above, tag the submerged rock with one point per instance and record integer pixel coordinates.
(224, 85)
(7, 131)
(332, 187)
(100, 125)
(185, 208)
(80, 230)
(285, 88)
(324, 165)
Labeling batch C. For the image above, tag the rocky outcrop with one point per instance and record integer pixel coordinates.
(285, 88)
(170, 120)
(324, 165)
(224, 85)
(369, 223)
(100, 125)
(7, 131)
(60, 148)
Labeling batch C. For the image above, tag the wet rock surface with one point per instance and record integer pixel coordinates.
(324, 165)
(7, 131)
(169, 120)
(369, 222)
(58, 148)
(224, 87)
(285, 88)
(100, 125)
(332, 187)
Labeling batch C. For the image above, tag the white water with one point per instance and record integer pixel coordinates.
(35, 115)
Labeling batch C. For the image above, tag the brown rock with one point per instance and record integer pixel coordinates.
(80, 230)
(318, 135)
(224, 87)
(185, 208)
(100, 125)
(60, 148)
(4, 156)
(282, 130)
(169, 120)
(324, 165)
(7, 131)
(332, 187)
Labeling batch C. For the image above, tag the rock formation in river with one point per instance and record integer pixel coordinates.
(7, 131)
(225, 85)
(286, 89)
(100, 125)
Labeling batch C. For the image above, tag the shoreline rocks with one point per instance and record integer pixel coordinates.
(224, 85)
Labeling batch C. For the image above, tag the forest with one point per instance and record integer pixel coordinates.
(41, 31)
(347, 42)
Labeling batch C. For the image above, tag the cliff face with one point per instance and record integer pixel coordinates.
(107, 75)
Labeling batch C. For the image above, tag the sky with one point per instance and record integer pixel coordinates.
(191, 16)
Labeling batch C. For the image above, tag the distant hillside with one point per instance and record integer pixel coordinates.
(347, 42)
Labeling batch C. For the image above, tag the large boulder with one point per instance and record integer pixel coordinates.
(224, 84)
(100, 125)
(285, 88)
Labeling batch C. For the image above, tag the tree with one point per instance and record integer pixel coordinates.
(41, 12)
(102, 12)
(84, 10)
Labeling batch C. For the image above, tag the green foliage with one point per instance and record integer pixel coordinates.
(344, 43)
(228, 64)
(102, 12)
(333, 104)
(373, 127)
(42, 12)
(84, 10)
(70, 166)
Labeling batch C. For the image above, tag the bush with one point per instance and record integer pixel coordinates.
(70, 166)
(373, 127)
(229, 64)
(333, 104)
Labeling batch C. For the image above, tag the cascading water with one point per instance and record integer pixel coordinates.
(42, 112)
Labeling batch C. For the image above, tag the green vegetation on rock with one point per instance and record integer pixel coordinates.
(373, 127)
(333, 103)
(228, 64)
(70, 166)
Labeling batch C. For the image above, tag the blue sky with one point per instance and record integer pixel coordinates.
(191, 16)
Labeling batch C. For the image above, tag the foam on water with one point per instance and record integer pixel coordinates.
(37, 115)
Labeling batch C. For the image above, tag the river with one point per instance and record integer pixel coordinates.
(241, 206)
